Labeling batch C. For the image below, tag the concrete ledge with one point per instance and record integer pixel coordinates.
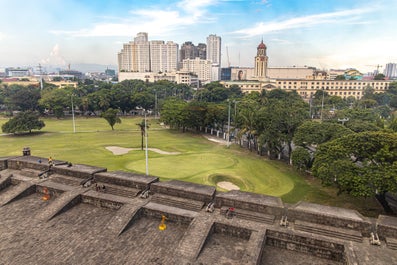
(5, 181)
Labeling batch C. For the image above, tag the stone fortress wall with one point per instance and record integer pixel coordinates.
(232, 227)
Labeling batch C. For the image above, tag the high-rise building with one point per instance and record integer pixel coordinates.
(214, 49)
(141, 55)
(390, 70)
(214, 55)
(202, 68)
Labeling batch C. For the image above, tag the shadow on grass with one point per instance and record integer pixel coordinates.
(24, 134)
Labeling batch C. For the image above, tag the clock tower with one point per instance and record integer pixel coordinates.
(261, 61)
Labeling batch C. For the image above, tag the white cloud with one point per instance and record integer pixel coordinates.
(156, 21)
(2, 36)
(338, 17)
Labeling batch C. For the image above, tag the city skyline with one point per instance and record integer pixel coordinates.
(332, 34)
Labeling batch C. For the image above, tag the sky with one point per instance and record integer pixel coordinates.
(332, 34)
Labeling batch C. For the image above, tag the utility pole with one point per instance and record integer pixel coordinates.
(146, 153)
(74, 124)
(228, 126)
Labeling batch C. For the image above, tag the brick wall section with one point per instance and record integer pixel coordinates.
(183, 189)
(331, 216)
(387, 226)
(126, 179)
(250, 201)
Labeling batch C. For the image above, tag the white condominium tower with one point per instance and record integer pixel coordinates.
(214, 55)
(214, 49)
(142, 55)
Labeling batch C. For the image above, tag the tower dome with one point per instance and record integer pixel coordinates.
(262, 45)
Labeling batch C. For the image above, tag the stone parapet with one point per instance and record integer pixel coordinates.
(387, 226)
(126, 179)
(330, 216)
(183, 189)
(250, 201)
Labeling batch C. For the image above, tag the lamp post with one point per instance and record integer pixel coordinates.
(155, 104)
(146, 153)
(74, 124)
(228, 126)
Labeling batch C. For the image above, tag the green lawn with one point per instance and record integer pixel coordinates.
(199, 161)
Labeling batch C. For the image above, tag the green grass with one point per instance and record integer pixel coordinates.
(199, 161)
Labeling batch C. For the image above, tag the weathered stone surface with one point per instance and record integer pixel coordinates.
(127, 179)
(80, 225)
(183, 189)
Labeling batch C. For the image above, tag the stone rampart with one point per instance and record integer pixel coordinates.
(258, 203)
(387, 226)
(330, 216)
(309, 245)
(250, 201)
(183, 189)
(126, 179)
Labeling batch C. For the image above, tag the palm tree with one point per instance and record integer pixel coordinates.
(143, 126)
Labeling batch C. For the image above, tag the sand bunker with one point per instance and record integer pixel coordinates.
(216, 139)
(117, 150)
(227, 185)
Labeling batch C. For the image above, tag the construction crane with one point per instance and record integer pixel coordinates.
(377, 67)
(227, 55)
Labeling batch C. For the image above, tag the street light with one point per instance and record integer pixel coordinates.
(146, 152)
(74, 125)
(228, 126)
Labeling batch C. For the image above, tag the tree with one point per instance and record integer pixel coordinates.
(110, 115)
(379, 77)
(22, 122)
(361, 164)
(143, 126)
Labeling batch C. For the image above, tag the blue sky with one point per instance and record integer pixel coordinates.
(324, 34)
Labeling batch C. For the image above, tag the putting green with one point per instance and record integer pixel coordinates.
(183, 166)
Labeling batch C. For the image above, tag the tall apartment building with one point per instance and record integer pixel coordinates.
(190, 51)
(142, 55)
(202, 68)
(390, 70)
(214, 55)
(214, 49)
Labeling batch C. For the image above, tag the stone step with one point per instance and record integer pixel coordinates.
(178, 202)
(195, 237)
(328, 231)
(391, 243)
(16, 192)
(249, 215)
(125, 216)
